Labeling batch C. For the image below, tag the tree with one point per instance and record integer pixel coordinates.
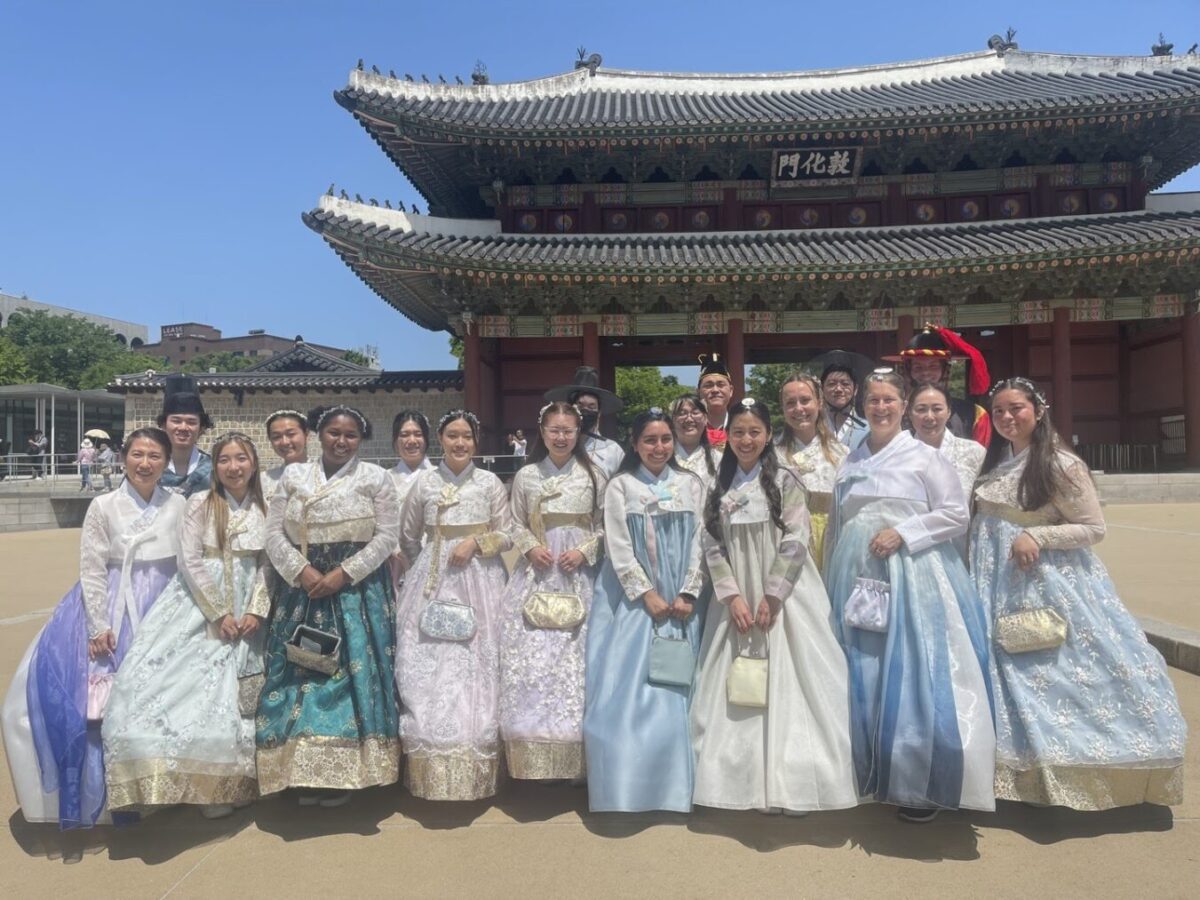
(59, 349)
(219, 361)
(642, 387)
(457, 349)
(763, 384)
(104, 372)
(13, 369)
(367, 355)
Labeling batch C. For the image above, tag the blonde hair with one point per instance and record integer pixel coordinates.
(215, 509)
(824, 435)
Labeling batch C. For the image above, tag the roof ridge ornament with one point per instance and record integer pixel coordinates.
(1162, 48)
(1003, 44)
(479, 75)
(584, 61)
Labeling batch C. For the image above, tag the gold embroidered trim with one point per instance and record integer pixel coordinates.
(567, 520)
(456, 532)
(320, 761)
(491, 543)
(1090, 787)
(166, 782)
(1009, 513)
(461, 775)
(249, 687)
(542, 759)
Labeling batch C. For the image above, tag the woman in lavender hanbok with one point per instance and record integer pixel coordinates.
(1086, 715)
(52, 712)
(558, 528)
(448, 621)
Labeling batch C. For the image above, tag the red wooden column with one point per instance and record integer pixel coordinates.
(591, 345)
(1191, 386)
(904, 331)
(1060, 367)
(735, 356)
(473, 372)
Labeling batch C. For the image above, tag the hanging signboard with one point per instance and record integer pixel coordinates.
(815, 165)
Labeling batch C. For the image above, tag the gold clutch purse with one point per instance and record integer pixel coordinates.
(562, 610)
(1031, 629)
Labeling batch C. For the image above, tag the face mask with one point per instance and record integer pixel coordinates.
(589, 420)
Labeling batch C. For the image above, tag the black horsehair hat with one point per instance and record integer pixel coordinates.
(182, 397)
(712, 364)
(585, 381)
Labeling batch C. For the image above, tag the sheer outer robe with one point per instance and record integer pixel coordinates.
(179, 727)
(541, 669)
(331, 731)
(637, 738)
(127, 554)
(449, 690)
(795, 754)
(1093, 723)
(920, 716)
(817, 474)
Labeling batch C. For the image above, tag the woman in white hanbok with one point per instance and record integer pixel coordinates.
(127, 555)
(692, 449)
(557, 521)
(811, 449)
(448, 621)
(287, 430)
(920, 701)
(410, 440)
(179, 727)
(1086, 715)
(794, 754)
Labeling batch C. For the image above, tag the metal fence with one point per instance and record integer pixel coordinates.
(1121, 457)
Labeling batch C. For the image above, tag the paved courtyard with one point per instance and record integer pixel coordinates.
(540, 841)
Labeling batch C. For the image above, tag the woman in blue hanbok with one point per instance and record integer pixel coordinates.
(920, 708)
(127, 554)
(179, 727)
(636, 734)
(330, 528)
(1086, 715)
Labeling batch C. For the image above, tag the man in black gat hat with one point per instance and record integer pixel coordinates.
(184, 420)
(593, 402)
(716, 387)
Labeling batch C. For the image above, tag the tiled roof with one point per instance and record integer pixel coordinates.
(305, 358)
(431, 379)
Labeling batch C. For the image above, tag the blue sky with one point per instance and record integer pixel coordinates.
(155, 157)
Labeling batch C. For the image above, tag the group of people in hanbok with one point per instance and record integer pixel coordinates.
(726, 612)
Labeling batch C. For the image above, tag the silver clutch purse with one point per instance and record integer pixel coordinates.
(448, 620)
(867, 606)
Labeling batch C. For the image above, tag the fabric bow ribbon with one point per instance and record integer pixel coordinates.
(446, 499)
(663, 494)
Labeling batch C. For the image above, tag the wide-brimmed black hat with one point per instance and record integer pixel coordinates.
(857, 365)
(586, 381)
(181, 397)
(712, 364)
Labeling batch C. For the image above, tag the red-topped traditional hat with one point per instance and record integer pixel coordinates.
(935, 342)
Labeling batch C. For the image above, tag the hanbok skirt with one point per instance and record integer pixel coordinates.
(795, 754)
(331, 731)
(179, 727)
(541, 671)
(920, 705)
(450, 690)
(1093, 723)
(636, 734)
(54, 752)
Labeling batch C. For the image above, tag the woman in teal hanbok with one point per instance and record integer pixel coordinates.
(636, 732)
(331, 526)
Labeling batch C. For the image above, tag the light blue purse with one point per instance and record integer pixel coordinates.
(672, 662)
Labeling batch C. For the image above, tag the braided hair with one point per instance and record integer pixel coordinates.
(729, 464)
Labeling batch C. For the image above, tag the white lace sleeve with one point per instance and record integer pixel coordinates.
(693, 582)
(412, 522)
(93, 569)
(523, 537)
(285, 559)
(593, 545)
(260, 598)
(387, 531)
(204, 590)
(629, 571)
(1079, 506)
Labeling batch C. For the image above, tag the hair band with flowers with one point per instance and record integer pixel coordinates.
(1023, 382)
(288, 413)
(453, 414)
(342, 410)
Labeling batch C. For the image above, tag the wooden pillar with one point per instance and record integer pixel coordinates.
(1060, 367)
(735, 356)
(473, 373)
(591, 345)
(1191, 387)
(904, 331)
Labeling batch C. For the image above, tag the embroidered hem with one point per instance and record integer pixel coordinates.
(1090, 787)
(542, 759)
(321, 761)
(160, 782)
(455, 775)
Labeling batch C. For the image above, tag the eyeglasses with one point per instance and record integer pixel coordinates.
(562, 432)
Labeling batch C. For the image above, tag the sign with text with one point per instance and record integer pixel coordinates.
(816, 165)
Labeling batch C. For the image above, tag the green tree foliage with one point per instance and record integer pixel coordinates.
(103, 372)
(763, 384)
(60, 349)
(642, 387)
(358, 358)
(13, 369)
(457, 350)
(220, 361)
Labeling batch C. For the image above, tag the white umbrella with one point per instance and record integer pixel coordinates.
(97, 433)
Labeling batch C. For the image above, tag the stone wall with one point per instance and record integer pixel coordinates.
(249, 414)
(34, 513)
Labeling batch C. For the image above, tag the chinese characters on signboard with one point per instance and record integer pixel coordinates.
(821, 165)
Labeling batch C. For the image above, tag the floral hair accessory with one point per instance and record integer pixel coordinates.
(748, 402)
(470, 417)
(1023, 383)
(655, 411)
(287, 414)
(341, 410)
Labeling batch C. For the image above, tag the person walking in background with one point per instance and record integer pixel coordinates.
(35, 448)
(107, 461)
(85, 458)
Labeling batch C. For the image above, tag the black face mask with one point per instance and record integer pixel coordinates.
(589, 420)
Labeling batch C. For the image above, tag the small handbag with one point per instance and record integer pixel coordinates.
(672, 662)
(867, 606)
(746, 682)
(1027, 630)
(98, 689)
(561, 610)
(448, 620)
(312, 648)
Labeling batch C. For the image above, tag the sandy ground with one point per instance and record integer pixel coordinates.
(540, 841)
